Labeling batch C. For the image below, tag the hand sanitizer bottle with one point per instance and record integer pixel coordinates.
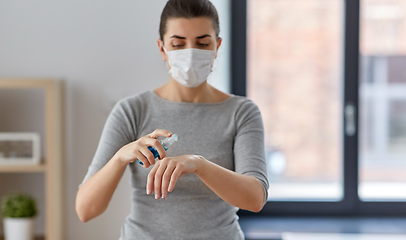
(166, 143)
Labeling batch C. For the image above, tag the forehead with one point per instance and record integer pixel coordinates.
(189, 27)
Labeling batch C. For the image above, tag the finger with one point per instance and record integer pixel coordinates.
(159, 132)
(148, 155)
(151, 178)
(157, 145)
(158, 179)
(166, 178)
(177, 173)
(142, 159)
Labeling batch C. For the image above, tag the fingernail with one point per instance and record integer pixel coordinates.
(148, 191)
(169, 134)
(163, 196)
(156, 196)
(169, 189)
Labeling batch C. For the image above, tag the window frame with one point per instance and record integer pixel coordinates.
(350, 205)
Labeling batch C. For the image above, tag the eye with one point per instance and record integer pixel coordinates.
(204, 44)
(177, 46)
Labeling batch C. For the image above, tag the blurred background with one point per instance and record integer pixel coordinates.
(295, 74)
(295, 62)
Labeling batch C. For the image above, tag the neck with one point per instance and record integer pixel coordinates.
(174, 91)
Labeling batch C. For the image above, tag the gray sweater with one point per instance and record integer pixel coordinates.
(228, 133)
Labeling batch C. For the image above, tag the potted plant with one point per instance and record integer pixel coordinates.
(18, 211)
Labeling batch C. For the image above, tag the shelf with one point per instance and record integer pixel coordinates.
(25, 83)
(35, 238)
(22, 169)
(52, 166)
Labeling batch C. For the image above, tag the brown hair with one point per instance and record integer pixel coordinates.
(188, 9)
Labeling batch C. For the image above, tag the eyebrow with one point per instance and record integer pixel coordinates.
(203, 36)
(199, 37)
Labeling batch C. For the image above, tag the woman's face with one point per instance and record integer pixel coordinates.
(184, 33)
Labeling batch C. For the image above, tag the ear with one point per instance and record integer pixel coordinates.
(218, 45)
(161, 49)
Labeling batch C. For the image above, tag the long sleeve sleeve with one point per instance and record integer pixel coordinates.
(118, 131)
(249, 147)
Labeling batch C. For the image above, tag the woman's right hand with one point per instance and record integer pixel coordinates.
(139, 149)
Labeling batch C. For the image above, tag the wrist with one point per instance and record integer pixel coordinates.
(118, 161)
(200, 162)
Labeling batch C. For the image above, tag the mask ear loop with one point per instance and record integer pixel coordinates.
(168, 56)
(166, 52)
(211, 67)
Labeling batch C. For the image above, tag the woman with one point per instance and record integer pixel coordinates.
(216, 167)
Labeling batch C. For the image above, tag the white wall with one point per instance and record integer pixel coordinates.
(104, 51)
(220, 77)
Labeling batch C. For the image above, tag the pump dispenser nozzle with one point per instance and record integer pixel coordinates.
(167, 142)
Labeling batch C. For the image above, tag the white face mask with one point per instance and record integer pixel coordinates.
(190, 67)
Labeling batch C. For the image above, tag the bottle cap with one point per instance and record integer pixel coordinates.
(169, 140)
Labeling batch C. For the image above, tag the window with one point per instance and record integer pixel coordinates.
(329, 77)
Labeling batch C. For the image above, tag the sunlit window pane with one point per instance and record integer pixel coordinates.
(295, 77)
(383, 100)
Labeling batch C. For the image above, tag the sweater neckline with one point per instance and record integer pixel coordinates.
(153, 93)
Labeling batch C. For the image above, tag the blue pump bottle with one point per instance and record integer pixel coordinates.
(166, 143)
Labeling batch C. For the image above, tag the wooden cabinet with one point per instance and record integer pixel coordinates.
(52, 164)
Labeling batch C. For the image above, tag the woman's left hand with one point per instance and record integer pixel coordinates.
(163, 176)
